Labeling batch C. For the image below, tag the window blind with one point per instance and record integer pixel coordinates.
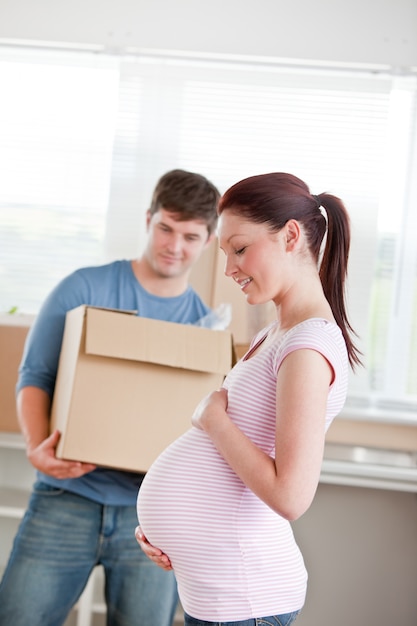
(108, 128)
(57, 116)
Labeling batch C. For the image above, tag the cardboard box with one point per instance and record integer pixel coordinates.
(127, 386)
(13, 331)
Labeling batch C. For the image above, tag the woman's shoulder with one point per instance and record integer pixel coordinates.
(316, 333)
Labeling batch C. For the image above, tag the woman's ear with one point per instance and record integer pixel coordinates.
(292, 232)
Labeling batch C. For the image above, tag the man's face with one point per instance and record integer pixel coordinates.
(174, 246)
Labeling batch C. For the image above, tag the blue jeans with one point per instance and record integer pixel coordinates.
(61, 538)
(273, 620)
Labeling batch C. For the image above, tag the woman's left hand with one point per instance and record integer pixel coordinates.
(210, 410)
(154, 554)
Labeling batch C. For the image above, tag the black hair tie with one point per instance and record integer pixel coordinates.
(317, 199)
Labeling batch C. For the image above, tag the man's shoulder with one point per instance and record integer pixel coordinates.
(96, 274)
(106, 268)
(85, 285)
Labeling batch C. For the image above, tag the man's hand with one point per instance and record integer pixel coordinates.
(43, 459)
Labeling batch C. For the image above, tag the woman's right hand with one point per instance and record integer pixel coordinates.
(154, 554)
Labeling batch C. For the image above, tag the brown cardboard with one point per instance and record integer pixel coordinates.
(127, 386)
(13, 331)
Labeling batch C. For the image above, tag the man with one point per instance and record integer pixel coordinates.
(80, 516)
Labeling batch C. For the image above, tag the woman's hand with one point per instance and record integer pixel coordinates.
(211, 410)
(154, 554)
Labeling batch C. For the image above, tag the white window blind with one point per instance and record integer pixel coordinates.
(57, 118)
(347, 131)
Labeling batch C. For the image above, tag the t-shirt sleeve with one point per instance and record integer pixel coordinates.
(327, 339)
(40, 359)
(324, 338)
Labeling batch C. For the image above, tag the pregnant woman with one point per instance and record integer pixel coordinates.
(216, 505)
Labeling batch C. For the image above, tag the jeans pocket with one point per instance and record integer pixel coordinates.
(278, 620)
(288, 619)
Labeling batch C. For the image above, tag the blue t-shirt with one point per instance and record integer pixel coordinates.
(112, 286)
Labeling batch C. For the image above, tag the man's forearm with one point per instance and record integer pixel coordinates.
(33, 408)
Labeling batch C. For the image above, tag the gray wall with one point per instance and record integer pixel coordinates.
(360, 549)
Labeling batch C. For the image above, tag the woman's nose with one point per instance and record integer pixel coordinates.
(229, 267)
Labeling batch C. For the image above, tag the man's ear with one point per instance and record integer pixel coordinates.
(148, 218)
(210, 239)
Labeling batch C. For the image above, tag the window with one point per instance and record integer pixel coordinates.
(87, 136)
(57, 118)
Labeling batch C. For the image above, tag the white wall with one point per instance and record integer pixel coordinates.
(353, 31)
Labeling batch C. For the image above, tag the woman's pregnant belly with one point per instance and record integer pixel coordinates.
(232, 555)
(187, 498)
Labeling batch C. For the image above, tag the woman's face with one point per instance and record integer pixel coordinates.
(256, 258)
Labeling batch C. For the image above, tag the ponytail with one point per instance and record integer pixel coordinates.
(334, 265)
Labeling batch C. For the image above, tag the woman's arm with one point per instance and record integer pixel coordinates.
(287, 483)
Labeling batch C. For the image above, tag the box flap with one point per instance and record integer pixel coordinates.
(117, 335)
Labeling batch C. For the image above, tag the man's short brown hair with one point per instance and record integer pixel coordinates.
(190, 196)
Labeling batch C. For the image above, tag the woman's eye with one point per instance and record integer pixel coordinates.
(240, 251)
